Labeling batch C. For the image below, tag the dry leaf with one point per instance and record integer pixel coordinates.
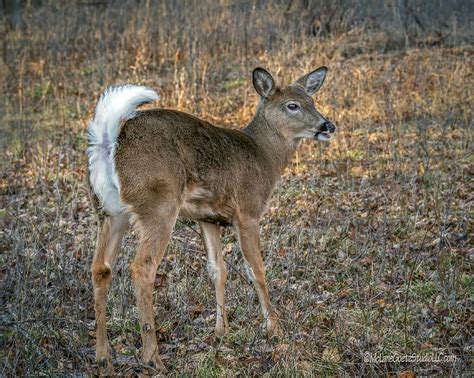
(331, 355)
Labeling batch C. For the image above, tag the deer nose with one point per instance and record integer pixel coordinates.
(328, 127)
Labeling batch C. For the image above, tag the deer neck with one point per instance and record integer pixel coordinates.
(278, 150)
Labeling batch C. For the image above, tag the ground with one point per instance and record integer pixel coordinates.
(367, 241)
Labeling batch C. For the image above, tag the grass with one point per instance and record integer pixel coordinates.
(367, 241)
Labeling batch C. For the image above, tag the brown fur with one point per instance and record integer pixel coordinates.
(172, 164)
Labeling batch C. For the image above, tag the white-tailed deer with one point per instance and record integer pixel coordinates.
(150, 167)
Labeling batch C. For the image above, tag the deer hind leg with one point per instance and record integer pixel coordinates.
(248, 232)
(217, 271)
(155, 232)
(108, 243)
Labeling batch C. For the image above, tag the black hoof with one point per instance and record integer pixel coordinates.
(103, 362)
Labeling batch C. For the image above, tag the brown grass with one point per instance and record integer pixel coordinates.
(368, 240)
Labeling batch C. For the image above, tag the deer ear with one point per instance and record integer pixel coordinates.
(263, 82)
(312, 81)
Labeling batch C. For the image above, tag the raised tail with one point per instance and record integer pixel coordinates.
(116, 105)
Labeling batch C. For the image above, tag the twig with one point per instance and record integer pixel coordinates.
(410, 276)
(188, 225)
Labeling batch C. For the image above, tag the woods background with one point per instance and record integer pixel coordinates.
(367, 242)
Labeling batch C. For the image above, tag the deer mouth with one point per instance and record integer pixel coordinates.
(322, 136)
(325, 131)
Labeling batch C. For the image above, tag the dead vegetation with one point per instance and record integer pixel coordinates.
(368, 240)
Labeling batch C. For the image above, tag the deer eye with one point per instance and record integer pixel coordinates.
(293, 106)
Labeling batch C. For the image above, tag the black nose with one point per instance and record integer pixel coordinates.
(328, 126)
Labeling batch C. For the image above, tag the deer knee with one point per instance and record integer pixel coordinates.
(213, 270)
(249, 272)
(101, 275)
(217, 272)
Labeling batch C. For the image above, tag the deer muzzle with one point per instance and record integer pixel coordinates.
(325, 131)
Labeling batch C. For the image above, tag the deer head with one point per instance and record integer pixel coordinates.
(291, 110)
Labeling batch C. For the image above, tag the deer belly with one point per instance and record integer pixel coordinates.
(201, 205)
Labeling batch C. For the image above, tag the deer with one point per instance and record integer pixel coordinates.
(150, 167)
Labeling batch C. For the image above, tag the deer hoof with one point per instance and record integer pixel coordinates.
(157, 364)
(105, 366)
(273, 329)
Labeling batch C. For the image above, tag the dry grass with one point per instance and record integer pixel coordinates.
(368, 241)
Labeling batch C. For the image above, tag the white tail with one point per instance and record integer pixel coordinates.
(116, 105)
